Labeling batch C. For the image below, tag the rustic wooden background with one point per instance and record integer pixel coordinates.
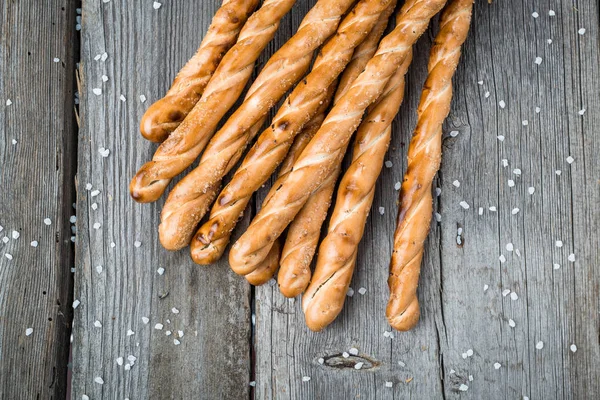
(234, 334)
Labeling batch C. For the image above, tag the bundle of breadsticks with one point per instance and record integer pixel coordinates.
(354, 87)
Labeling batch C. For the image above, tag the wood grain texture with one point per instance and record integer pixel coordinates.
(210, 305)
(37, 167)
(556, 307)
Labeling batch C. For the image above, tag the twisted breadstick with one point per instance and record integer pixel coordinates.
(325, 296)
(187, 141)
(318, 160)
(162, 117)
(207, 253)
(424, 155)
(274, 143)
(304, 231)
(174, 217)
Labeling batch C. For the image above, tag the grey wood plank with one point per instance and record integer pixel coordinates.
(145, 48)
(556, 307)
(37, 147)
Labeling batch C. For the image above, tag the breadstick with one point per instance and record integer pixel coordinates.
(297, 109)
(318, 160)
(186, 142)
(162, 117)
(424, 156)
(325, 296)
(304, 231)
(205, 251)
(267, 268)
(175, 218)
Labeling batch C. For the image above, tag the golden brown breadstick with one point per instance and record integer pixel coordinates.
(207, 253)
(174, 220)
(267, 268)
(325, 296)
(318, 160)
(424, 156)
(186, 142)
(162, 117)
(274, 143)
(304, 231)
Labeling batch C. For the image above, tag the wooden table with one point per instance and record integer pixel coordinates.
(234, 334)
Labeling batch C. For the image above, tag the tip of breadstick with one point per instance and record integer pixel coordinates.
(403, 320)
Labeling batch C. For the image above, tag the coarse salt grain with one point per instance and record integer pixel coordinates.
(99, 380)
(28, 331)
(470, 353)
(500, 138)
(538, 60)
(454, 133)
(438, 217)
(456, 183)
(130, 332)
(94, 193)
(485, 287)
(160, 271)
(389, 384)
(549, 41)
(581, 112)
(539, 345)
(104, 78)
(463, 387)
(176, 342)
(573, 348)
(174, 310)
(531, 189)
(558, 172)
(94, 206)
(497, 365)
(145, 320)
(305, 378)
(558, 243)
(142, 98)
(515, 211)
(502, 258)
(353, 351)
(509, 247)
(493, 208)
(362, 290)
(511, 183)
(486, 94)
(537, 110)
(137, 243)
(505, 292)
(570, 160)
(122, 98)
(8, 102)
(358, 365)
(504, 162)
(581, 31)
(98, 324)
(350, 292)
(535, 14)
(556, 266)
(551, 13)
(47, 221)
(514, 296)
(99, 269)
(571, 257)
(464, 205)
(381, 210)
(480, 211)
(76, 303)
(517, 171)
(525, 122)
(502, 104)
(388, 164)
(119, 360)
(158, 326)
(180, 333)
(97, 91)
(321, 360)
(397, 185)
(345, 354)
(156, 5)
(97, 225)
(511, 323)
(15, 235)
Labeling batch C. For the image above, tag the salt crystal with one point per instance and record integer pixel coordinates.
(94, 206)
(174, 310)
(509, 247)
(515, 211)
(502, 258)
(511, 183)
(381, 210)
(76, 303)
(8, 102)
(145, 320)
(556, 266)
(454, 133)
(397, 186)
(538, 60)
(517, 171)
(500, 138)
(99, 269)
(15, 234)
(158, 326)
(464, 205)
(305, 378)
(480, 211)
(389, 384)
(551, 13)
(531, 190)
(98, 324)
(485, 287)
(350, 292)
(321, 360)
(505, 292)
(573, 348)
(160, 271)
(142, 98)
(525, 122)
(137, 243)
(504, 162)
(537, 110)
(511, 323)
(176, 342)
(549, 41)
(539, 345)
(502, 104)
(470, 352)
(97, 91)
(571, 257)
(119, 360)
(94, 193)
(497, 365)
(362, 290)
(581, 31)
(104, 78)
(345, 354)
(130, 332)
(486, 94)
(480, 83)
(456, 183)
(85, 397)
(96, 225)
(438, 191)
(400, 363)
(73, 219)
(353, 351)
(581, 112)
(156, 5)
(88, 186)
(47, 221)
(559, 243)
(535, 14)
(514, 296)
(558, 172)
(463, 387)
(104, 56)
(99, 380)
(28, 331)
(470, 378)
(570, 160)
(388, 164)
(180, 333)
(493, 208)
(358, 365)
(438, 217)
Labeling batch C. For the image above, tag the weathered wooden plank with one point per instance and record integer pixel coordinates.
(556, 307)
(211, 306)
(37, 136)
